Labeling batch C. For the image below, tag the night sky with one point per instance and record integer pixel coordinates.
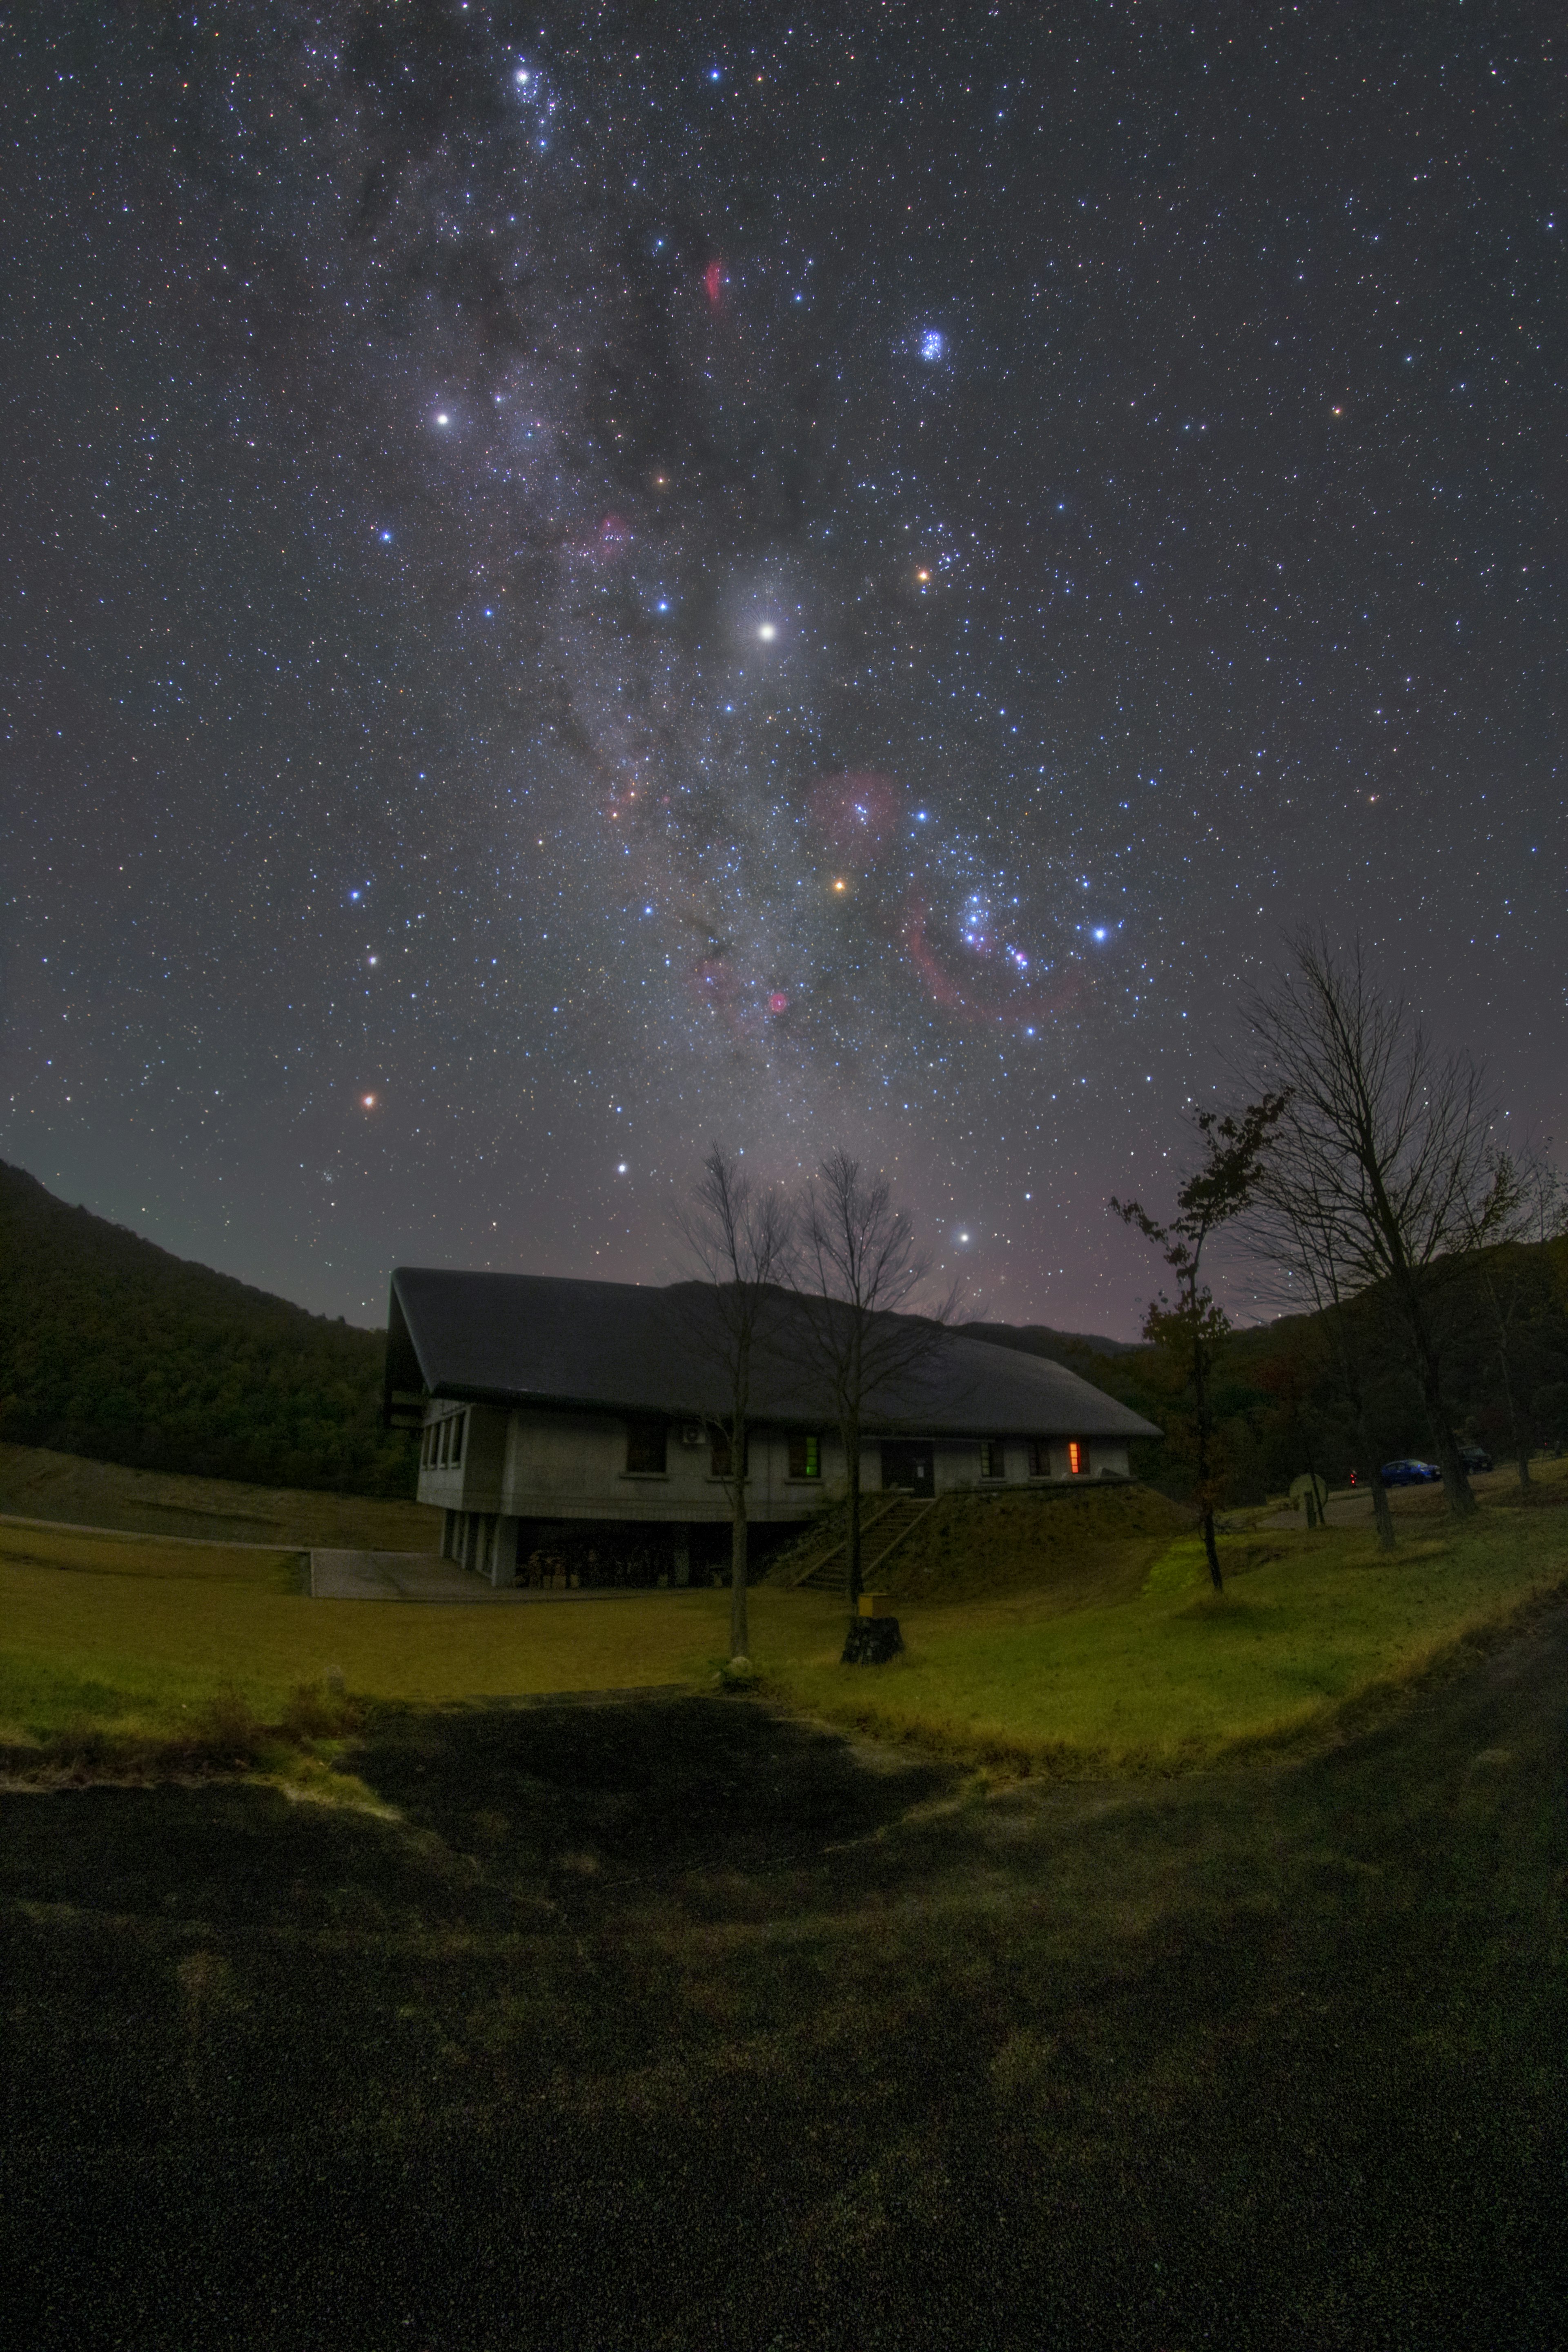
(579, 581)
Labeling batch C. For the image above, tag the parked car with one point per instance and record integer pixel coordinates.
(1474, 1457)
(1410, 1473)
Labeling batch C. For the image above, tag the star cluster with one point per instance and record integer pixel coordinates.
(579, 583)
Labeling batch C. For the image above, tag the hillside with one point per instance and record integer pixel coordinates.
(1276, 1396)
(35, 1484)
(112, 1349)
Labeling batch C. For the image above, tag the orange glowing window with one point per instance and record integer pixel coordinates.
(1075, 1458)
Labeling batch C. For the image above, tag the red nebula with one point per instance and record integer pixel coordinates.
(855, 814)
(778, 1002)
(980, 996)
(713, 278)
(614, 534)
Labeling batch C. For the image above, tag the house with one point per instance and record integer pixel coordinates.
(546, 1403)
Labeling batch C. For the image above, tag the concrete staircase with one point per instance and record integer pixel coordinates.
(886, 1523)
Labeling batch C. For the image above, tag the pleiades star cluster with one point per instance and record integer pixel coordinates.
(582, 582)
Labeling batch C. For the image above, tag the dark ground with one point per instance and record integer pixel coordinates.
(665, 2022)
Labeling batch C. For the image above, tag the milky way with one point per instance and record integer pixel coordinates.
(580, 584)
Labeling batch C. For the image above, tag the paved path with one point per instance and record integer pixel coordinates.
(422, 1576)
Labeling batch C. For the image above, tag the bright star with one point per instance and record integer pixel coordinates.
(767, 633)
(442, 417)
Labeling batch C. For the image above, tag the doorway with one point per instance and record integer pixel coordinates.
(909, 1465)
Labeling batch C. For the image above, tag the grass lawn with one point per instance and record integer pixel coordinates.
(1154, 1670)
(1119, 1658)
(37, 1484)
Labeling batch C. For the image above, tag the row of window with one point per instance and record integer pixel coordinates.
(648, 1454)
(443, 1446)
(993, 1457)
(647, 1451)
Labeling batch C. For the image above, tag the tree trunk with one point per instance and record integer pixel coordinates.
(1456, 1484)
(1367, 1464)
(1381, 1512)
(1200, 1392)
(1316, 1514)
(740, 1645)
(852, 1451)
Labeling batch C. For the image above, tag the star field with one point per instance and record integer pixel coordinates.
(580, 582)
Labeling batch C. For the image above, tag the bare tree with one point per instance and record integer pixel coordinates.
(858, 1276)
(1291, 1226)
(1387, 1148)
(1510, 1284)
(741, 1234)
(1194, 1329)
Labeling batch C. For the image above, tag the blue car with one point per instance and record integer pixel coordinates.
(1411, 1474)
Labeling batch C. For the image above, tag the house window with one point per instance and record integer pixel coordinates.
(443, 1440)
(1078, 1458)
(993, 1458)
(460, 1422)
(1039, 1457)
(806, 1455)
(718, 1454)
(646, 1442)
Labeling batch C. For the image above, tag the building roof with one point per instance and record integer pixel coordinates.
(617, 1347)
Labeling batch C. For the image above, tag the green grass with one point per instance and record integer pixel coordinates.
(36, 1484)
(1118, 1659)
(1177, 1675)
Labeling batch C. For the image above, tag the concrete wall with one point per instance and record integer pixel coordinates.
(526, 1465)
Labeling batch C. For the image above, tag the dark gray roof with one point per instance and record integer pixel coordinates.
(524, 1338)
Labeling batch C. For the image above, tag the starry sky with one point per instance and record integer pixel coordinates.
(580, 581)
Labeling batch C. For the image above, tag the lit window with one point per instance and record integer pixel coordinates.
(993, 1458)
(1075, 1458)
(806, 1455)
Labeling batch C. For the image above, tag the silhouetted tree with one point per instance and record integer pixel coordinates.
(857, 1275)
(741, 1234)
(1193, 1328)
(1385, 1147)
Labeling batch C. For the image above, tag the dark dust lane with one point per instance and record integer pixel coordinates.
(668, 2023)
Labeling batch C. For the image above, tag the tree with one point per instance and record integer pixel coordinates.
(1291, 1378)
(1292, 1227)
(741, 1235)
(1385, 1150)
(858, 1274)
(1194, 1329)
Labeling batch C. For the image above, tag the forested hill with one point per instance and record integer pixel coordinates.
(112, 1349)
(1039, 1339)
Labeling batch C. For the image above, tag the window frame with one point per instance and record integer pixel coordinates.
(719, 1442)
(643, 1426)
(809, 1442)
(993, 1459)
